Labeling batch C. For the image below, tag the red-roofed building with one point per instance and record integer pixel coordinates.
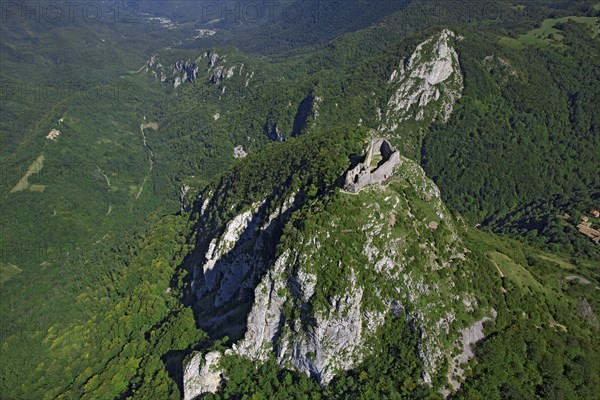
(53, 134)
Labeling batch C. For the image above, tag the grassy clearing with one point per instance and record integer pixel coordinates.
(547, 33)
(37, 188)
(34, 168)
(151, 125)
(556, 260)
(375, 161)
(512, 43)
(8, 271)
(515, 272)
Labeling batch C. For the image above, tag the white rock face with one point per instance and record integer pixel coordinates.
(432, 74)
(329, 344)
(332, 343)
(469, 336)
(189, 70)
(200, 33)
(230, 72)
(201, 375)
(219, 247)
(263, 320)
(205, 203)
(314, 328)
(321, 342)
(236, 259)
(307, 283)
(248, 78)
(176, 82)
(238, 152)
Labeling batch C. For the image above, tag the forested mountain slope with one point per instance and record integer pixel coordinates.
(521, 149)
(192, 175)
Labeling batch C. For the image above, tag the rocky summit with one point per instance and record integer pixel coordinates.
(276, 294)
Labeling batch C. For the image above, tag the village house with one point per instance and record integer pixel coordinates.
(585, 227)
(53, 134)
(589, 232)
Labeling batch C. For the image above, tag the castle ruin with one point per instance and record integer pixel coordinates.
(379, 164)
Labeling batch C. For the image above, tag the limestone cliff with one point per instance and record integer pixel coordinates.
(210, 65)
(313, 294)
(425, 88)
(201, 375)
(269, 284)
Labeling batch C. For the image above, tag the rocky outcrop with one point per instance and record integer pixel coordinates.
(238, 152)
(584, 310)
(201, 33)
(201, 375)
(228, 275)
(306, 327)
(154, 66)
(212, 58)
(273, 132)
(220, 74)
(426, 87)
(233, 263)
(319, 340)
(183, 206)
(332, 343)
(367, 174)
(184, 71)
(469, 337)
(431, 74)
(187, 71)
(263, 321)
(317, 349)
(276, 298)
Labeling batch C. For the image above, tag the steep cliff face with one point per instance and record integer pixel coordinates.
(226, 273)
(311, 288)
(202, 375)
(319, 292)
